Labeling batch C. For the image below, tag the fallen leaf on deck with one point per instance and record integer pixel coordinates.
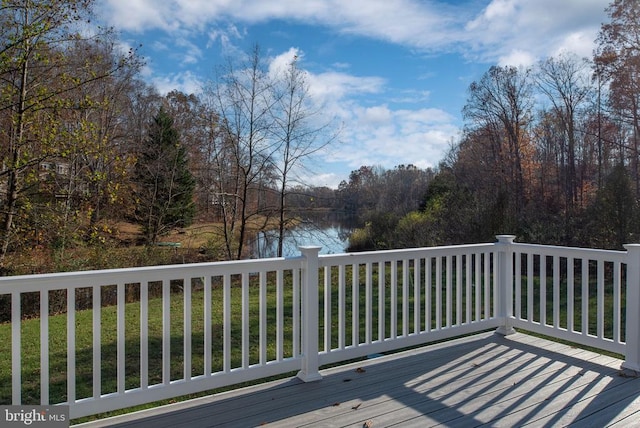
(357, 406)
(360, 370)
(336, 404)
(368, 424)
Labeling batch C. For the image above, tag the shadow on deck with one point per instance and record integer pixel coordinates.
(483, 379)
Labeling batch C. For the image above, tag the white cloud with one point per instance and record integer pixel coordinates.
(341, 65)
(138, 15)
(159, 46)
(383, 136)
(281, 62)
(517, 58)
(331, 180)
(496, 31)
(185, 82)
(378, 134)
(377, 115)
(187, 52)
(579, 42)
(411, 22)
(337, 85)
(226, 37)
(503, 32)
(511, 31)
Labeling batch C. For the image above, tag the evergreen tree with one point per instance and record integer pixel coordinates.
(165, 186)
(613, 214)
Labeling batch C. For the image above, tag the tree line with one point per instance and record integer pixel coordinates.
(549, 153)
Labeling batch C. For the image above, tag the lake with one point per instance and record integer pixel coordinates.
(333, 237)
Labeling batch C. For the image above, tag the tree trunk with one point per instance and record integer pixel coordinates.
(16, 142)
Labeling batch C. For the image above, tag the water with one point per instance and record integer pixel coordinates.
(332, 237)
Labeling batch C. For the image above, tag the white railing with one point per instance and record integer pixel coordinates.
(586, 296)
(133, 336)
(405, 298)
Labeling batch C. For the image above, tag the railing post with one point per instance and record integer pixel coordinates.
(631, 364)
(310, 313)
(505, 284)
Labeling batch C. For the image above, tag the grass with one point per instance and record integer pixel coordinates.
(564, 286)
(122, 248)
(389, 271)
(30, 331)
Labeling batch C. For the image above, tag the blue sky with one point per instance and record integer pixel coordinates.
(393, 73)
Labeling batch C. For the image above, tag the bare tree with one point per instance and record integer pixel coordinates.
(242, 150)
(298, 132)
(501, 103)
(617, 60)
(564, 81)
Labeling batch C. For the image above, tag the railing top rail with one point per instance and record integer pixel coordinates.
(565, 251)
(402, 254)
(145, 274)
(51, 281)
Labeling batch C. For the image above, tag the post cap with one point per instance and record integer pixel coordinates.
(309, 249)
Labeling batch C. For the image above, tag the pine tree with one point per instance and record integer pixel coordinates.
(613, 214)
(165, 186)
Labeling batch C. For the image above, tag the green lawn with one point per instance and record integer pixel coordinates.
(576, 286)
(30, 331)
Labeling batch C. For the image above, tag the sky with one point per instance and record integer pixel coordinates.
(391, 75)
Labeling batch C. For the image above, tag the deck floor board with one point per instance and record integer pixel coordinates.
(480, 380)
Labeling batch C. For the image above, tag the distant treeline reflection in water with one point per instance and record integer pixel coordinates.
(329, 232)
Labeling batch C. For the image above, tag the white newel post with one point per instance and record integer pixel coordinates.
(310, 313)
(631, 364)
(505, 284)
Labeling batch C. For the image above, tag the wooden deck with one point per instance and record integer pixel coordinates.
(480, 380)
